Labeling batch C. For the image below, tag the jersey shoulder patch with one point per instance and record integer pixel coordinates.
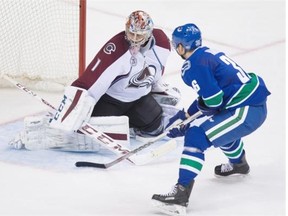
(161, 39)
(116, 46)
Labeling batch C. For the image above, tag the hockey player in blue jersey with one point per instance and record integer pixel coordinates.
(236, 103)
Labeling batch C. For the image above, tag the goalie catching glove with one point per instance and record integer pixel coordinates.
(165, 94)
(75, 109)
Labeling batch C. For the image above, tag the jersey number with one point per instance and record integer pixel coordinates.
(241, 74)
(96, 64)
(195, 85)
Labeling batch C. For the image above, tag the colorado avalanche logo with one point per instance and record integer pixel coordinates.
(109, 48)
(144, 78)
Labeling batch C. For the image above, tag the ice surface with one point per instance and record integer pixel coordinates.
(47, 183)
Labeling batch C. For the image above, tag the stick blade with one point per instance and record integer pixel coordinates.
(90, 164)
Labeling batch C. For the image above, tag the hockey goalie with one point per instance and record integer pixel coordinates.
(121, 92)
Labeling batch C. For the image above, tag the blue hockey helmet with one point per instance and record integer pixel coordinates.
(189, 35)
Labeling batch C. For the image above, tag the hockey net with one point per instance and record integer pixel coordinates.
(42, 42)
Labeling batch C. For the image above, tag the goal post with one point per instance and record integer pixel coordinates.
(82, 36)
(42, 42)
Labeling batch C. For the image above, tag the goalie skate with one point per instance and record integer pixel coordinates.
(17, 141)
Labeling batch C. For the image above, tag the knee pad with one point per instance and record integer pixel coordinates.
(196, 138)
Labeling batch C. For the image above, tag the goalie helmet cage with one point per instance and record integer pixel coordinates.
(42, 42)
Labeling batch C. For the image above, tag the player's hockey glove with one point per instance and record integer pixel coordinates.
(207, 111)
(181, 114)
(178, 132)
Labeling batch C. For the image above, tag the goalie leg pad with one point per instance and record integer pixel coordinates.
(168, 112)
(32, 135)
(37, 135)
(117, 127)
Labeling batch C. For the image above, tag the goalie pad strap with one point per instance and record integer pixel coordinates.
(117, 136)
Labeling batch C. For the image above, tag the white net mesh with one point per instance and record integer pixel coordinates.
(39, 42)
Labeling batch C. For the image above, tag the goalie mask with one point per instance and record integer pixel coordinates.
(139, 27)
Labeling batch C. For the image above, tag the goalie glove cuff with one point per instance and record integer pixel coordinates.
(75, 109)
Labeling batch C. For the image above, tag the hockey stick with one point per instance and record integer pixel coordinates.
(155, 153)
(140, 148)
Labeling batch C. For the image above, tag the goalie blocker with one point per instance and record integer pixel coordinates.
(74, 110)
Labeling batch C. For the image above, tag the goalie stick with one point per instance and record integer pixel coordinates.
(136, 150)
(100, 137)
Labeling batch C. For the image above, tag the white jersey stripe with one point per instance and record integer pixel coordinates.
(231, 127)
(189, 168)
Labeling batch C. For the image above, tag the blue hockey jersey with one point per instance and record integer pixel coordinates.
(220, 82)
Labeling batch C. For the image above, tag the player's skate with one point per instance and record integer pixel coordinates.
(233, 169)
(175, 202)
(17, 141)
